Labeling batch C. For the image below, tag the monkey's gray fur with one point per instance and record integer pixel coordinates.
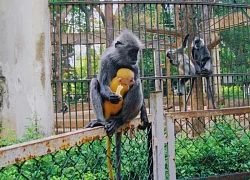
(123, 53)
(201, 66)
(179, 59)
(201, 56)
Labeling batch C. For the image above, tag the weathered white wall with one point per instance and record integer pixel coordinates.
(25, 59)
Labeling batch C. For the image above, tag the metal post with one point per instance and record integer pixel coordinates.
(156, 109)
(171, 149)
(118, 140)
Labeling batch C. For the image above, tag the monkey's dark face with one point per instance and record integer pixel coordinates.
(169, 55)
(133, 55)
(175, 56)
(127, 52)
(198, 43)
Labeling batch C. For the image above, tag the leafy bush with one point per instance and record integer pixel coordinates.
(224, 149)
(31, 133)
(231, 91)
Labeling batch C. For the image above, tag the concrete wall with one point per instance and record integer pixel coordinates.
(25, 60)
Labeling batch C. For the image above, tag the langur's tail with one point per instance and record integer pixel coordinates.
(210, 92)
(184, 44)
(110, 169)
(189, 93)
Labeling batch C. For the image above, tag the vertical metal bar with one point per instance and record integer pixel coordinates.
(171, 149)
(80, 63)
(156, 106)
(118, 140)
(59, 63)
(150, 153)
(55, 66)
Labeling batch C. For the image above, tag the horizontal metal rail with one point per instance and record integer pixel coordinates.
(157, 77)
(29, 150)
(234, 176)
(154, 2)
(207, 113)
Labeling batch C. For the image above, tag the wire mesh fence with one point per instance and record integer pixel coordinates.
(221, 148)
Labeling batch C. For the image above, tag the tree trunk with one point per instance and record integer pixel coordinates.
(88, 49)
(197, 91)
(109, 25)
(169, 86)
(207, 40)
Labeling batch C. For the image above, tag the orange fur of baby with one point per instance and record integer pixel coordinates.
(125, 78)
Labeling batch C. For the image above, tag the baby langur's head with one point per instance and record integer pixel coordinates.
(125, 76)
(127, 81)
(198, 43)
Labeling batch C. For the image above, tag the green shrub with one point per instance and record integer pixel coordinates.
(31, 133)
(224, 149)
(231, 91)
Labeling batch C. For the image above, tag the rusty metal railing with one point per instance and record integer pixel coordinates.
(83, 150)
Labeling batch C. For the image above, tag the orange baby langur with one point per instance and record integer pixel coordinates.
(119, 85)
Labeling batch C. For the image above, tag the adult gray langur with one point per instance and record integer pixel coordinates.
(201, 56)
(203, 64)
(179, 59)
(123, 53)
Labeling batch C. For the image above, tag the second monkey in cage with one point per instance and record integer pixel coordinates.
(201, 56)
(179, 59)
(201, 66)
